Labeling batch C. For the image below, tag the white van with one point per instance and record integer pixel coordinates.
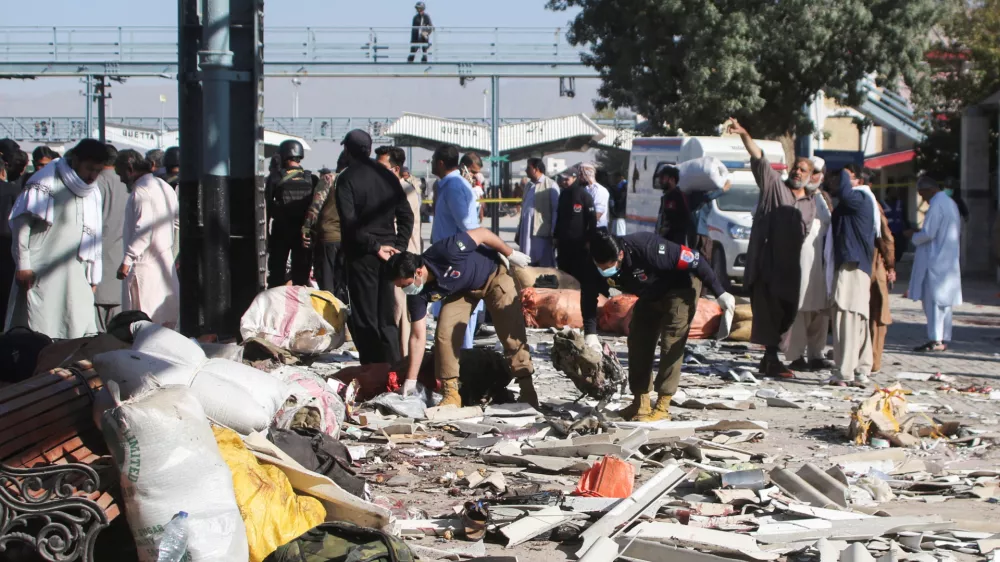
(730, 216)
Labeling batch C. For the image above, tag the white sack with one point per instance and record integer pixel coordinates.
(285, 317)
(169, 462)
(702, 174)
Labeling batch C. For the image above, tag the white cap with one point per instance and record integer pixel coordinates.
(818, 163)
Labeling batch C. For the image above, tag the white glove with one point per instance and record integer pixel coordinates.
(726, 301)
(409, 387)
(593, 342)
(504, 260)
(519, 259)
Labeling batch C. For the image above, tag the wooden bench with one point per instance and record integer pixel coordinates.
(57, 481)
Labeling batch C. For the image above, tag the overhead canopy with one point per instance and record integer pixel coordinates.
(148, 139)
(891, 159)
(517, 140)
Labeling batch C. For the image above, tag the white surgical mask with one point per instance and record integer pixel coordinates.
(413, 289)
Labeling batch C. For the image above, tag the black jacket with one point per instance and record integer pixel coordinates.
(576, 219)
(420, 21)
(373, 209)
(653, 265)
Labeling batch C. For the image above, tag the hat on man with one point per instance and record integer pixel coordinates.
(404, 170)
(818, 163)
(358, 142)
(325, 171)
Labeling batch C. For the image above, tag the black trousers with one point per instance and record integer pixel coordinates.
(373, 301)
(7, 267)
(329, 267)
(285, 239)
(574, 258)
(417, 45)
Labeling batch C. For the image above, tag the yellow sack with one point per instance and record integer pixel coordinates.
(330, 308)
(271, 511)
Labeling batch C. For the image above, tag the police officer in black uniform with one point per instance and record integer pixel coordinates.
(659, 272)
(288, 193)
(462, 270)
(576, 224)
(674, 219)
(172, 165)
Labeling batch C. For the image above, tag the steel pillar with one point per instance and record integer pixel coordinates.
(189, 98)
(101, 121)
(89, 96)
(216, 61)
(495, 180)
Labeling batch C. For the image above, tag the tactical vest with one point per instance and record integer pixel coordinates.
(294, 188)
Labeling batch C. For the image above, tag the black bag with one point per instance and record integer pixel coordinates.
(19, 349)
(320, 453)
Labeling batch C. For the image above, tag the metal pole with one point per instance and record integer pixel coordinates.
(495, 150)
(216, 63)
(101, 122)
(89, 96)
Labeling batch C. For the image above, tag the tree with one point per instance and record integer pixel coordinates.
(690, 64)
(965, 69)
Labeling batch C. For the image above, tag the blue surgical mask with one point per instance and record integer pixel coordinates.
(609, 272)
(413, 289)
(949, 192)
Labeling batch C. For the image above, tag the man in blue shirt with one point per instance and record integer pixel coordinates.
(461, 271)
(854, 232)
(455, 210)
(455, 207)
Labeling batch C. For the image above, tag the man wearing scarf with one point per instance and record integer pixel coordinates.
(56, 226)
(785, 212)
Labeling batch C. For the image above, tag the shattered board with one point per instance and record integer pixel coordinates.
(596, 375)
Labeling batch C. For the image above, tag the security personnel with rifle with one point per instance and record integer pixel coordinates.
(172, 165)
(667, 278)
(288, 193)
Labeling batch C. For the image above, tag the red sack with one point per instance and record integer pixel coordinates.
(551, 308)
(614, 314)
(706, 320)
(610, 477)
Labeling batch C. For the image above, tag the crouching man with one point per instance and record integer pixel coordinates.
(667, 278)
(462, 270)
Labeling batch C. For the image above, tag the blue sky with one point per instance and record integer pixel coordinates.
(317, 97)
(373, 13)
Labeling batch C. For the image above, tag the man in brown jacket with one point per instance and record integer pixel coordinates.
(323, 221)
(883, 275)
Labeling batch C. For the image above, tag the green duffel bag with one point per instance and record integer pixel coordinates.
(343, 542)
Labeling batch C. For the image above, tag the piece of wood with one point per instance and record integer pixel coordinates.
(66, 426)
(71, 410)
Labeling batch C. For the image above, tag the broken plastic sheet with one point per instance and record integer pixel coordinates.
(412, 406)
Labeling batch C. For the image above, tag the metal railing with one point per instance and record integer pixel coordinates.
(289, 45)
(65, 129)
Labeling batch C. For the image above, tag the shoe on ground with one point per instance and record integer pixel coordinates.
(660, 413)
(449, 391)
(799, 364)
(819, 364)
(931, 346)
(775, 369)
(639, 408)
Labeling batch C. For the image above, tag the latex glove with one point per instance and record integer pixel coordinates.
(409, 387)
(593, 342)
(726, 301)
(504, 260)
(519, 259)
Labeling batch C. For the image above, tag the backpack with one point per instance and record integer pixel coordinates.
(19, 349)
(339, 542)
(319, 453)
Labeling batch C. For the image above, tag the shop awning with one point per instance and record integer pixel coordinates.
(883, 160)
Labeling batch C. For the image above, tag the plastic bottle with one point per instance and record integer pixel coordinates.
(173, 543)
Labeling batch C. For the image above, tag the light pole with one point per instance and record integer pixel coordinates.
(163, 110)
(486, 103)
(295, 98)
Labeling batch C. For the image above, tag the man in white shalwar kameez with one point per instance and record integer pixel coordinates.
(151, 221)
(56, 245)
(538, 216)
(937, 277)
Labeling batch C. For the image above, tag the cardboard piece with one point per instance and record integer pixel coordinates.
(453, 413)
(548, 463)
(850, 530)
(339, 504)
